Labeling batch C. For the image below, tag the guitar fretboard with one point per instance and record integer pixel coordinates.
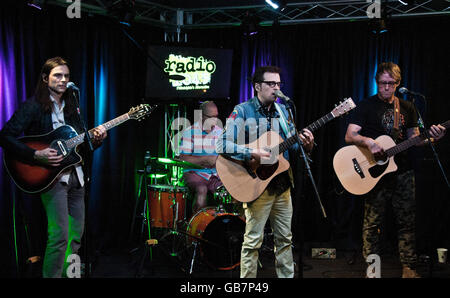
(410, 142)
(75, 141)
(312, 127)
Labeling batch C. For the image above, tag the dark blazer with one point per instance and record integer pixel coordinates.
(30, 119)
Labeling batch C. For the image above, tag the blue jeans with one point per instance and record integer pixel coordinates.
(64, 206)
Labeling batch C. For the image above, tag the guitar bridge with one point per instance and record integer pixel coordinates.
(357, 168)
(62, 148)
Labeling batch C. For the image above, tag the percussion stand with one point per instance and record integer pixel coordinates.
(174, 230)
(143, 174)
(179, 233)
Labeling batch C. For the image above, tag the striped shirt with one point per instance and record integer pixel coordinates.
(197, 142)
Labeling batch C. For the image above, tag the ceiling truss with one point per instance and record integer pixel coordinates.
(152, 13)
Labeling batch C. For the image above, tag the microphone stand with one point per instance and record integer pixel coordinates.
(87, 180)
(424, 130)
(290, 106)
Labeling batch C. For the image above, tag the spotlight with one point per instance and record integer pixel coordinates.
(38, 4)
(250, 25)
(127, 18)
(127, 12)
(277, 4)
(124, 11)
(379, 26)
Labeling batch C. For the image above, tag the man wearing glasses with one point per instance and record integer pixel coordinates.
(247, 122)
(198, 146)
(377, 116)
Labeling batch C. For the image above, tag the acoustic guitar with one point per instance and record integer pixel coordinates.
(246, 183)
(358, 170)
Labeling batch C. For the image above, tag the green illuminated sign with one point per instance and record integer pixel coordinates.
(196, 71)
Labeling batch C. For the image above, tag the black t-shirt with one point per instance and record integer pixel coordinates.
(376, 118)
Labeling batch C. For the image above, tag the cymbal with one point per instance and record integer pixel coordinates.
(156, 172)
(177, 163)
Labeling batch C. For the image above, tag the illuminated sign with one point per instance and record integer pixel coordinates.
(196, 71)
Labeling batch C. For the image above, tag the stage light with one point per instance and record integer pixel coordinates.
(127, 18)
(124, 11)
(379, 26)
(38, 4)
(277, 4)
(250, 25)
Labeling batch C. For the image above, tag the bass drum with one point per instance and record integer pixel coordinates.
(219, 236)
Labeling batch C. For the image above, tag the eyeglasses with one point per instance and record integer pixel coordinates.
(390, 84)
(210, 116)
(273, 84)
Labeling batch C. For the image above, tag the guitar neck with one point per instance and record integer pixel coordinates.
(312, 127)
(321, 122)
(79, 139)
(404, 145)
(410, 142)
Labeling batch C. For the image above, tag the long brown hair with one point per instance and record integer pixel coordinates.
(42, 94)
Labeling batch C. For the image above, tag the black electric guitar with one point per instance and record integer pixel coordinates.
(34, 177)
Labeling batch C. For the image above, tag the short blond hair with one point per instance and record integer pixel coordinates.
(391, 68)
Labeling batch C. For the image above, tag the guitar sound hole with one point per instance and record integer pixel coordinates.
(266, 171)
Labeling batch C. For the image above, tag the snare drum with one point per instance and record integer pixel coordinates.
(166, 203)
(219, 236)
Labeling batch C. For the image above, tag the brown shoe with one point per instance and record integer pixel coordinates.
(409, 273)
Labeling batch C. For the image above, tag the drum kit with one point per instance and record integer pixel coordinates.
(215, 233)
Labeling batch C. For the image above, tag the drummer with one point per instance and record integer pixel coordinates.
(198, 146)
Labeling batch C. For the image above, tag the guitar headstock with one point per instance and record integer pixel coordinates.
(139, 112)
(343, 107)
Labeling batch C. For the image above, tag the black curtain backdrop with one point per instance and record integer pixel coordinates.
(323, 64)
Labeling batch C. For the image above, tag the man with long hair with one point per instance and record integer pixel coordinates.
(51, 107)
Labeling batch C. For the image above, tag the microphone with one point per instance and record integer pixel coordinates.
(403, 90)
(71, 85)
(280, 94)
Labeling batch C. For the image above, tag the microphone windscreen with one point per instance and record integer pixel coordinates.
(402, 90)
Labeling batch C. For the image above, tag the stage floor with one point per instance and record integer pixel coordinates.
(163, 265)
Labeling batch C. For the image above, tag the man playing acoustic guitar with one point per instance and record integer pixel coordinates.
(275, 202)
(385, 114)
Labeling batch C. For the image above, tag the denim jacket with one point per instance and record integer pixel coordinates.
(248, 122)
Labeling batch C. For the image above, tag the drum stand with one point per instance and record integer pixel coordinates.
(145, 219)
(174, 231)
(177, 233)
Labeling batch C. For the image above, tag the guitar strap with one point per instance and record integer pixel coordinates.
(288, 133)
(283, 121)
(395, 130)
